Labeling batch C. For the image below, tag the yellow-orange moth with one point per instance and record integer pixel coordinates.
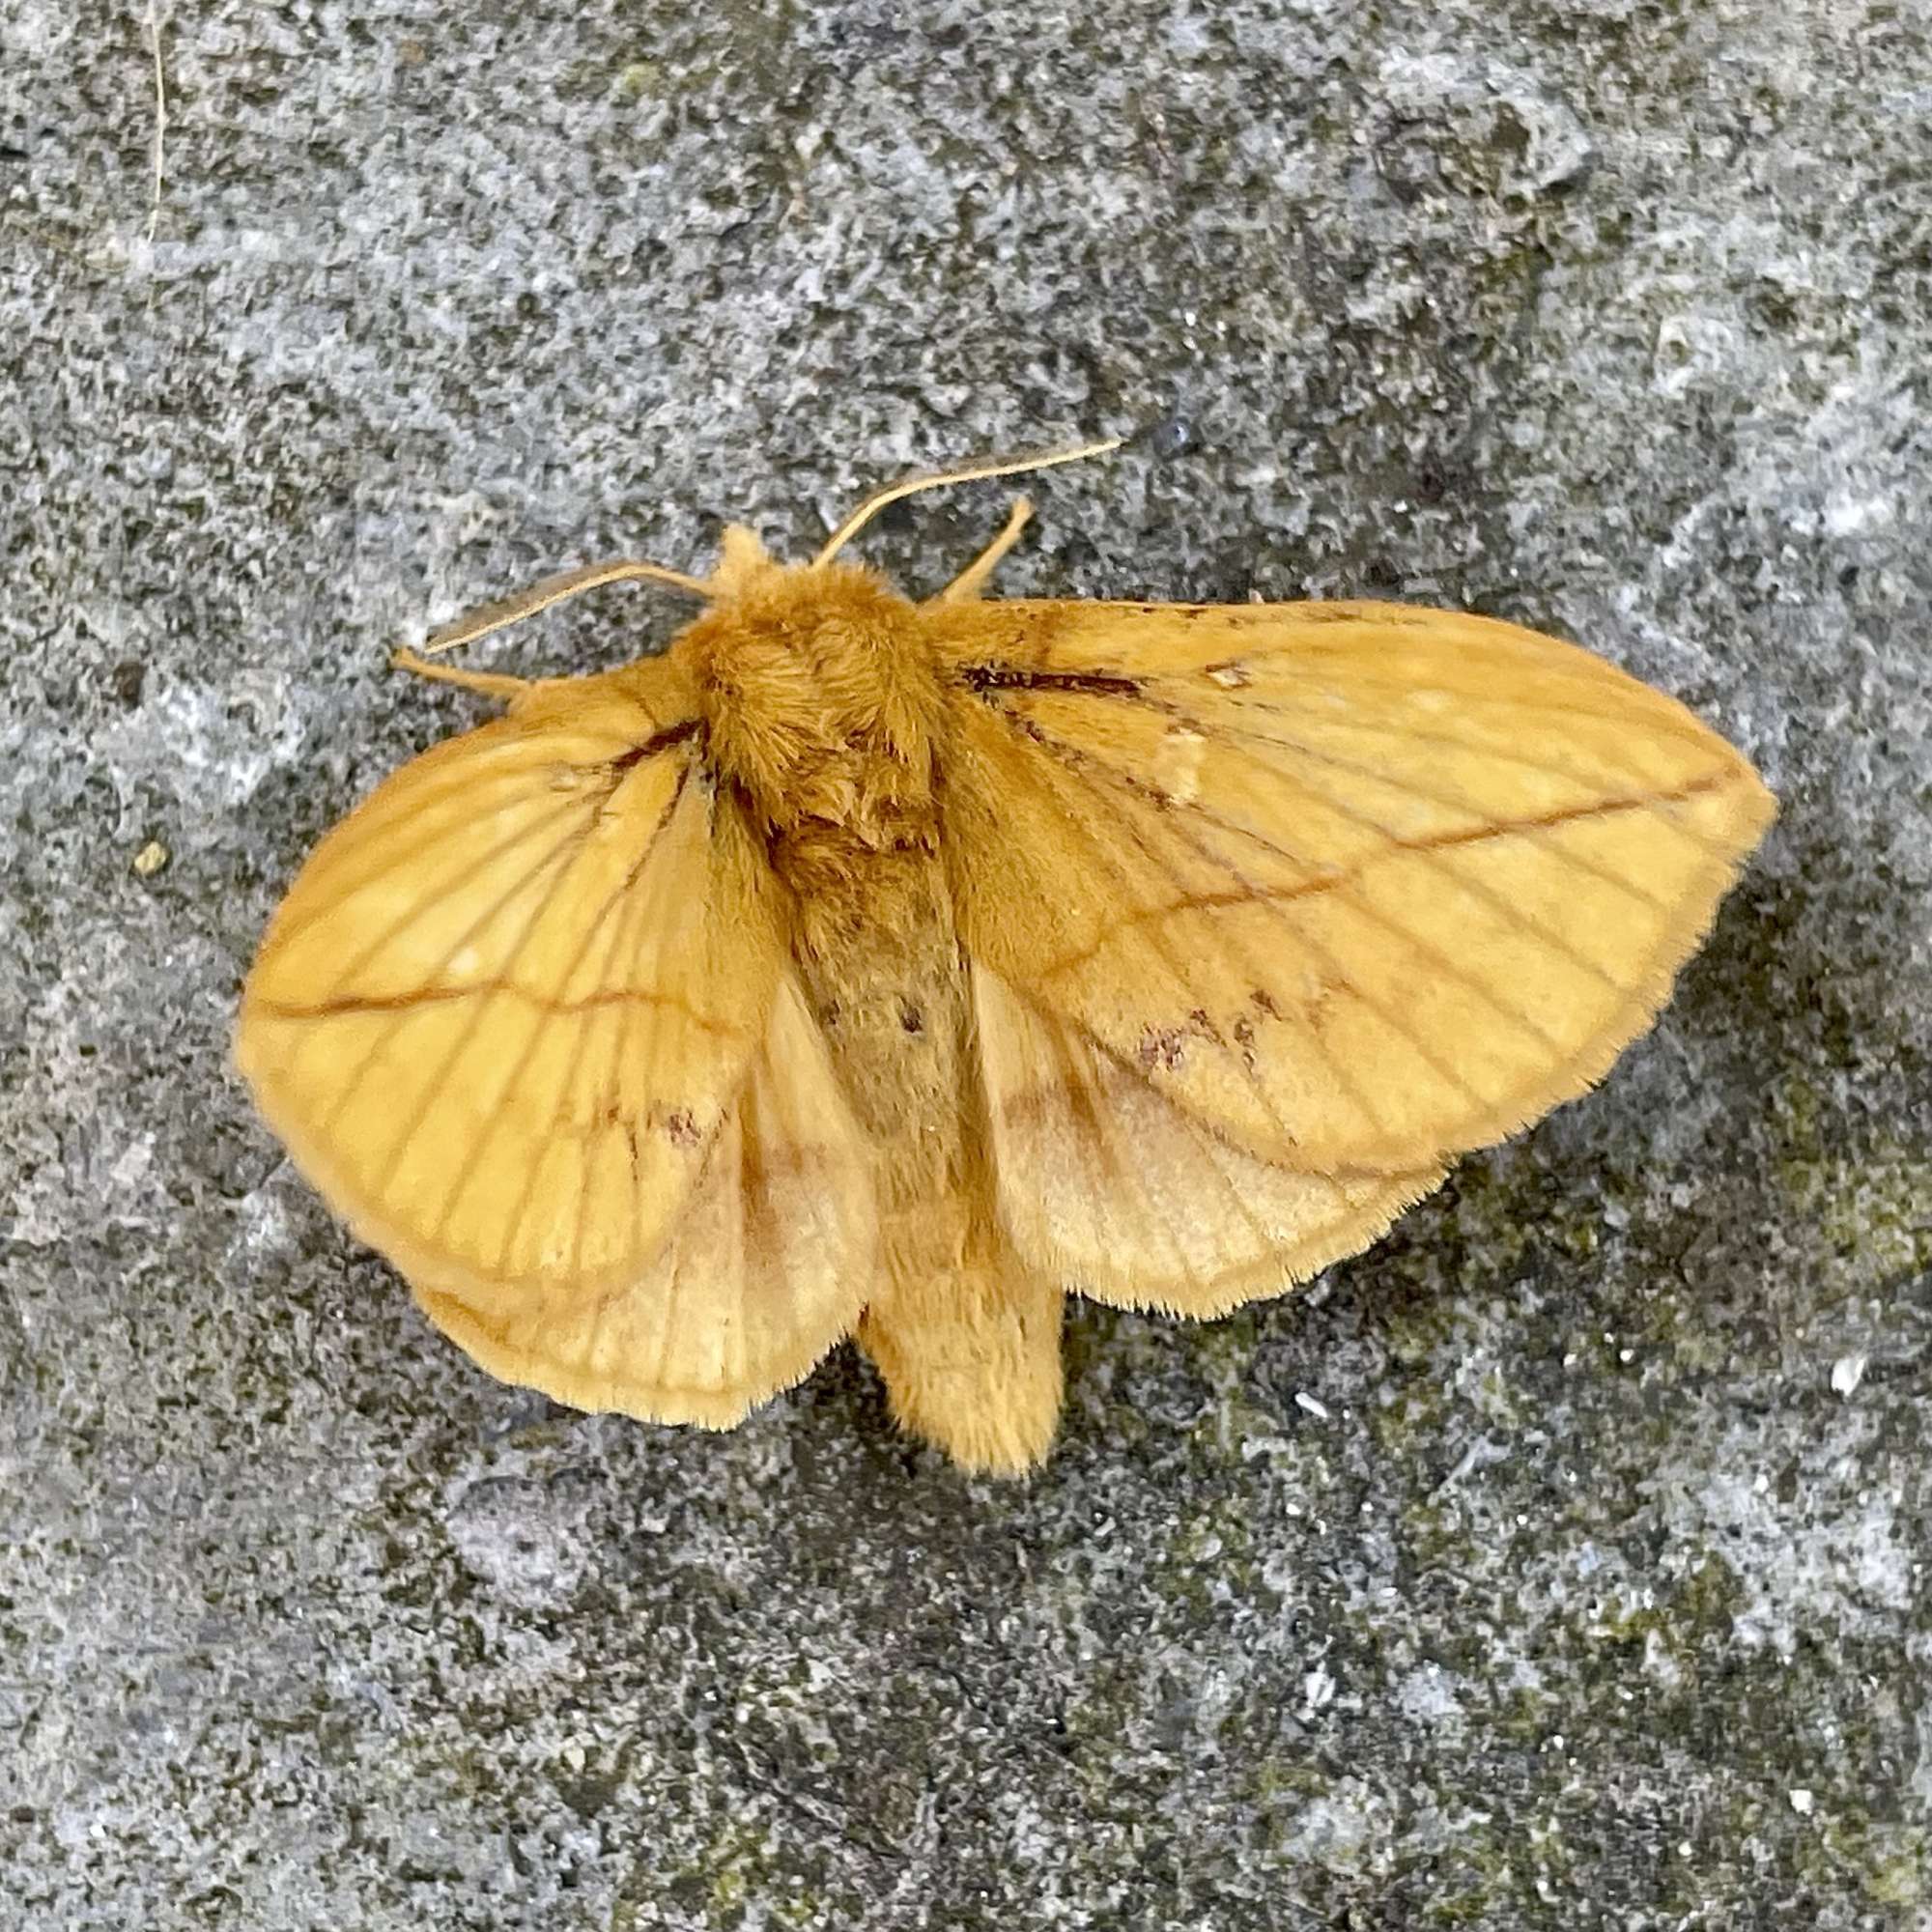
(866, 967)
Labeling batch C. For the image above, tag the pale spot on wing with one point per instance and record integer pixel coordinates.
(1177, 765)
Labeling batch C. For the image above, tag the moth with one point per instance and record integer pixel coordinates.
(873, 968)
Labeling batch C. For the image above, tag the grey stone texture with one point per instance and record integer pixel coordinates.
(1562, 1562)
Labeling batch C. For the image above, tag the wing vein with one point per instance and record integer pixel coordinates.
(433, 996)
(1648, 794)
(1071, 758)
(615, 898)
(609, 1087)
(1431, 852)
(1270, 901)
(1347, 884)
(446, 889)
(1346, 881)
(559, 858)
(1363, 674)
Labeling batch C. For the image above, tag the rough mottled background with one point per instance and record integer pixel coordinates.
(1563, 1562)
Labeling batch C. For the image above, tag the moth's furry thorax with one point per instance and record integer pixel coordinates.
(820, 697)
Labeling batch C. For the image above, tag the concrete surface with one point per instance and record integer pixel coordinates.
(1563, 1562)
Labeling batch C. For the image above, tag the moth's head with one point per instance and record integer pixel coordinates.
(744, 564)
(750, 589)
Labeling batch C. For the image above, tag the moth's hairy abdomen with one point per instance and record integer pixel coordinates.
(887, 969)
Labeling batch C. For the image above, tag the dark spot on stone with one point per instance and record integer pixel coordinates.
(830, 1014)
(910, 1017)
(127, 679)
(1263, 1003)
(1167, 436)
(681, 1130)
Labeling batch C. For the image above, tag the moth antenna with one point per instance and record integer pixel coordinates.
(971, 473)
(966, 585)
(569, 583)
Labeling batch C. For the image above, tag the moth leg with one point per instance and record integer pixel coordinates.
(969, 581)
(486, 683)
